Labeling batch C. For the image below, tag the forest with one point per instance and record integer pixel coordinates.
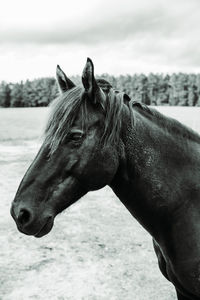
(153, 89)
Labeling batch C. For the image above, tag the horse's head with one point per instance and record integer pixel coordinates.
(79, 153)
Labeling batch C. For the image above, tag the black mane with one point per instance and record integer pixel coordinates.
(66, 107)
(170, 124)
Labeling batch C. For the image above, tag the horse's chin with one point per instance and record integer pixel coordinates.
(45, 229)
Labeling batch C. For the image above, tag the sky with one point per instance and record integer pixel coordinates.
(121, 37)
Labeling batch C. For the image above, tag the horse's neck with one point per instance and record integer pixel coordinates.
(150, 158)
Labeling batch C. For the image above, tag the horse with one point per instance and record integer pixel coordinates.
(98, 136)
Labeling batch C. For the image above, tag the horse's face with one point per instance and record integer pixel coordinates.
(78, 164)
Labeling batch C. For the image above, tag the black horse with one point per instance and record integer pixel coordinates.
(97, 136)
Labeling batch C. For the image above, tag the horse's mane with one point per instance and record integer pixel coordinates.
(65, 108)
(169, 124)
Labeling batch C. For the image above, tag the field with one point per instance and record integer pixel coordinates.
(96, 250)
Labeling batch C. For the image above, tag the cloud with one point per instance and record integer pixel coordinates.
(122, 37)
(103, 24)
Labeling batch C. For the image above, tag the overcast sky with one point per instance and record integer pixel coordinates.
(123, 36)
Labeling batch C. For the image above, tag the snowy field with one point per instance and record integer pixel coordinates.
(96, 250)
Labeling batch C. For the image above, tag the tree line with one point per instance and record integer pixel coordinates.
(155, 89)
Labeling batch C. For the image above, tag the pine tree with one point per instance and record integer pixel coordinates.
(5, 91)
(198, 89)
(16, 95)
(153, 88)
(192, 90)
(29, 95)
(173, 93)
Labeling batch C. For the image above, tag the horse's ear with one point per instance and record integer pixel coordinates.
(64, 82)
(89, 82)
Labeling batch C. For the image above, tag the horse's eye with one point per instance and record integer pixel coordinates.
(76, 135)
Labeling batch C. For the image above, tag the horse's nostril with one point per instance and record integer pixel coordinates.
(24, 217)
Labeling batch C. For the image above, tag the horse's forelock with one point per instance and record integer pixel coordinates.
(63, 112)
(65, 108)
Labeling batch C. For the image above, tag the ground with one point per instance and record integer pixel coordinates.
(96, 250)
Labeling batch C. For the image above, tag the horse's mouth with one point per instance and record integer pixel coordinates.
(45, 229)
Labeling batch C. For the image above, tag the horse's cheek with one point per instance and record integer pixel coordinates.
(100, 171)
(109, 165)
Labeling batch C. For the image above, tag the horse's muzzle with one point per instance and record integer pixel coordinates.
(30, 224)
